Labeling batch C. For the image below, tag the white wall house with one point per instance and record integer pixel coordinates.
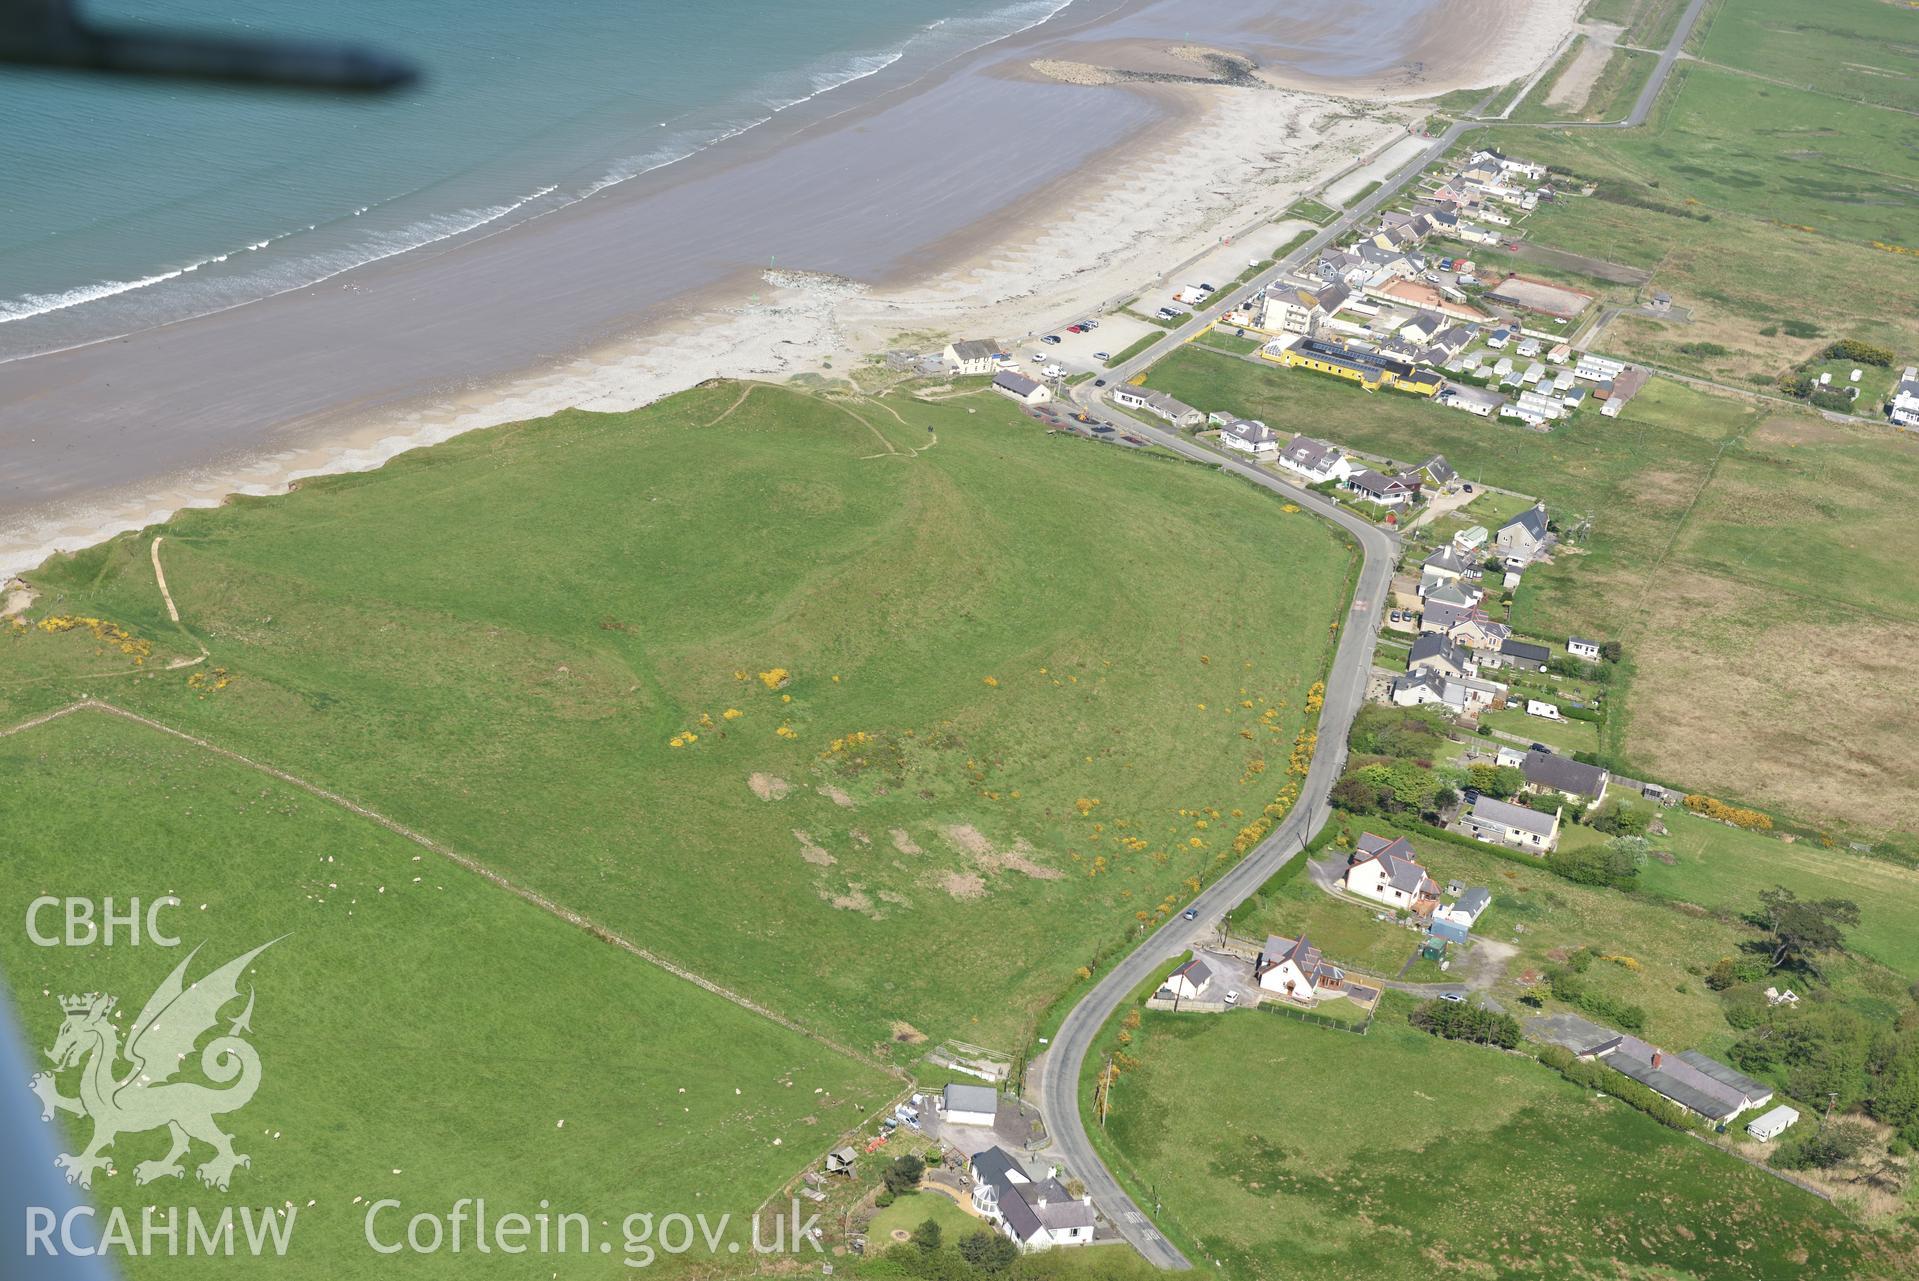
(1515, 825)
(1314, 460)
(1035, 1211)
(1190, 980)
(1295, 969)
(972, 356)
(1388, 872)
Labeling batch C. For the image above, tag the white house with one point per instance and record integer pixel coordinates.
(1444, 566)
(1903, 408)
(969, 1104)
(1466, 910)
(1389, 872)
(1387, 491)
(1249, 436)
(1035, 1212)
(1295, 969)
(1190, 980)
(1315, 460)
(1770, 1126)
(1159, 404)
(1497, 822)
(1586, 649)
(972, 356)
(1021, 388)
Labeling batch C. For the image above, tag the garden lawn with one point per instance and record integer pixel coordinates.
(909, 1211)
(1029, 680)
(1248, 1128)
(423, 1034)
(1347, 931)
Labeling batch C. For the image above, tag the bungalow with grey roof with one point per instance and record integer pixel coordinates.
(1387, 491)
(1497, 822)
(969, 1104)
(1189, 981)
(1315, 460)
(1586, 649)
(1693, 1081)
(1525, 654)
(1249, 436)
(1548, 772)
(1159, 404)
(1021, 388)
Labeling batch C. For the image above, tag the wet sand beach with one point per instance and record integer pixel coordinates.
(996, 195)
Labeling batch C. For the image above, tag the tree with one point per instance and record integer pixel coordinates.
(1803, 929)
(1831, 1145)
(903, 1175)
(927, 1235)
(1616, 862)
(988, 1251)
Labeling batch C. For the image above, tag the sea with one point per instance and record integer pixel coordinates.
(128, 204)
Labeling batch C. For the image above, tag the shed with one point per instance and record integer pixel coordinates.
(1773, 1124)
(1434, 948)
(840, 1161)
(1443, 932)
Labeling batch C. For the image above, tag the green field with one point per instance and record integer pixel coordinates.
(1274, 1160)
(1723, 868)
(423, 1034)
(1727, 540)
(1855, 49)
(1133, 349)
(1346, 931)
(1024, 706)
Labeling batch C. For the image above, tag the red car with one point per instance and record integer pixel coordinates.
(1075, 329)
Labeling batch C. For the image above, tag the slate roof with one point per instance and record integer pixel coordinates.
(1301, 952)
(1532, 520)
(970, 1098)
(1018, 384)
(971, 349)
(1250, 430)
(1371, 482)
(1474, 901)
(1434, 645)
(1525, 649)
(1563, 774)
(1446, 559)
(1499, 813)
(1439, 469)
(1754, 1092)
(1678, 1080)
(1196, 972)
(1310, 454)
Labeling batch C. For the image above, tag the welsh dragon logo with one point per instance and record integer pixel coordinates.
(146, 1096)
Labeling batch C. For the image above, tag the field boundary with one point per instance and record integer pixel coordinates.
(499, 880)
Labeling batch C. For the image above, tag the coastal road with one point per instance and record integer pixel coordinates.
(1345, 691)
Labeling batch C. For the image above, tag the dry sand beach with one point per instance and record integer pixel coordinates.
(1030, 183)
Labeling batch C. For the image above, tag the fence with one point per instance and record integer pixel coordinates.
(1320, 1020)
(1185, 1005)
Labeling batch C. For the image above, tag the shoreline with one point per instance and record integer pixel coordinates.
(1214, 158)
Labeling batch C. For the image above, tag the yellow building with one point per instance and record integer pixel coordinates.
(1365, 368)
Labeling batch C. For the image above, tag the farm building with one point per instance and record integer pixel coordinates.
(969, 1104)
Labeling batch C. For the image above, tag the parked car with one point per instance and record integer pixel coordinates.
(1469, 489)
(1456, 998)
(1469, 794)
(1102, 355)
(1191, 914)
(1051, 338)
(1090, 324)
(1104, 429)
(1134, 440)
(1206, 288)
(1232, 997)
(1099, 382)
(1073, 329)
